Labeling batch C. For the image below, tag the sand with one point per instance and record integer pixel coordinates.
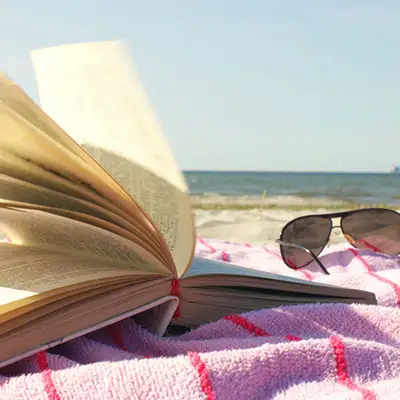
(255, 219)
(260, 219)
(252, 226)
(252, 219)
(255, 226)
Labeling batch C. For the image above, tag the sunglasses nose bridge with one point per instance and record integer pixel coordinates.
(335, 225)
(336, 222)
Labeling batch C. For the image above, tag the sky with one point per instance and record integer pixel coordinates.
(289, 85)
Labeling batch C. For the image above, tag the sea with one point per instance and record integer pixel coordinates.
(297, 187)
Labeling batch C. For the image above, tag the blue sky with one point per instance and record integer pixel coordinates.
(244, 85)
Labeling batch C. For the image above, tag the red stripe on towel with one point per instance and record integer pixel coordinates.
(45, 373)
(116, 337)
(205, 382)
(253, 329)
(205, 244)
(341, 370)
(370, 271)
(224, 256)
(272, 252)
(293, 338)
(306, 274)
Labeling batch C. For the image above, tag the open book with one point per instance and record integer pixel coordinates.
(98, 221)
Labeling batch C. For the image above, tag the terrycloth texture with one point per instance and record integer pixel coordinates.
(301, 352)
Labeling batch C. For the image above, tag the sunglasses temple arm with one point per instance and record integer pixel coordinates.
(318, 262)
(297, 246)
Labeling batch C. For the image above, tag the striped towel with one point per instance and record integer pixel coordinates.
(330, 351)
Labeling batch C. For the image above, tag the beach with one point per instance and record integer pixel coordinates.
(256, 220)
(254, 226)
(253, 207)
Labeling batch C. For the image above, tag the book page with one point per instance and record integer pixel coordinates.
(204, 266)
(18, 190)
(39, 147)
(105, 108)
(29, 121)
(154, 317)
(60, 234)
(15, 98)
(26, 271)
(136, 241)
(30, 143)
(25, 170)
(67, 321)
(15, 190)
(68, 294)
(212, 273)
(201, 305)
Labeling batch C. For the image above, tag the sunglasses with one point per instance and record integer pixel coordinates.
(303, 239)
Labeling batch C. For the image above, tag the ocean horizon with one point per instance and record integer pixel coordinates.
(229, 171)
(294, 188)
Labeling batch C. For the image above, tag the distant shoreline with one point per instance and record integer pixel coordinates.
(310, 207)
(245, 203)
(228, 171)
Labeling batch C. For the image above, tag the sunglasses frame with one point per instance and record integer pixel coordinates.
(330, 216)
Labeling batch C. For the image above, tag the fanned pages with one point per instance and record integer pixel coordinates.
(35, 130)
(104, 108)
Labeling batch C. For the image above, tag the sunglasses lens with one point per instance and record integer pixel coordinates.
(309, 232)
(377, 229)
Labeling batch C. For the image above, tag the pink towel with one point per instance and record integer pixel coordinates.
(300, 352)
